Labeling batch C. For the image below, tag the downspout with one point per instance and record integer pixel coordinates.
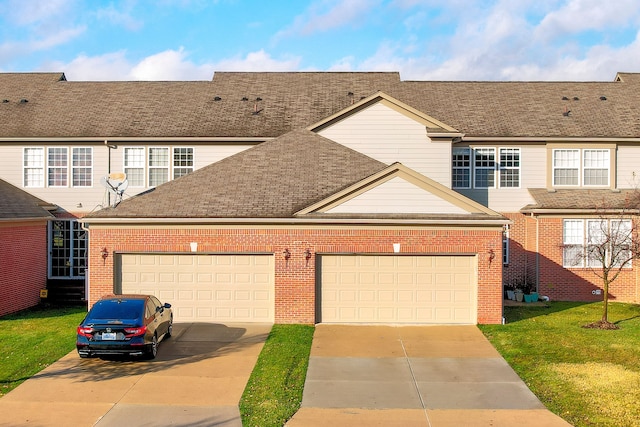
(537, 262)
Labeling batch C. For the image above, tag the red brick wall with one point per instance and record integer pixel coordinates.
(295, 279)
(529, 235)
(23, 265)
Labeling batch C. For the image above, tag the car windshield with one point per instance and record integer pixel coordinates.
(117, 309)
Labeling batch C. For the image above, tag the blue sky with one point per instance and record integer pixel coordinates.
(422, 39)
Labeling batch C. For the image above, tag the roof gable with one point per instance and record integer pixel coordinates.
(397, 190)
(272, 180)
(433, 125)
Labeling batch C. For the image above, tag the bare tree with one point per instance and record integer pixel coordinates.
(611, 244)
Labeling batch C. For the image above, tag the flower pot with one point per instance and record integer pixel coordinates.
(528, 298)
(519, 296)
(534, 296)
(511, 295)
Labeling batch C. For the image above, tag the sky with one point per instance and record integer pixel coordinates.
(567, 40)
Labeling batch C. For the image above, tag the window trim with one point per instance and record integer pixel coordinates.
(586, 261)
(167, 167)
(498, 168)
(173, 161)
(553, 148)
(126, 167)
(64, 168)
(74, 167)
(42, 167)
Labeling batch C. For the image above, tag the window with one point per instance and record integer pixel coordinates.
(596, 167)
(134, 165)
(158, 166)
(484, 167)
(574, 167)
(82, 166)
(33, 164)
(57, 166)
(67, 249)
(182, 161)
(589, 242)
(509, 167)
(461, 176)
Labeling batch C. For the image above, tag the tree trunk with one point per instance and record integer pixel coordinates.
(605, 298)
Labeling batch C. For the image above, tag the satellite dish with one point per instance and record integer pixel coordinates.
(116, 183)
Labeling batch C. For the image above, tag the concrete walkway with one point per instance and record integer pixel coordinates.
(196, 380)
(436, 376)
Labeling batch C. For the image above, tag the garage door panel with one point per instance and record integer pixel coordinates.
(207, 288)
(398, 289)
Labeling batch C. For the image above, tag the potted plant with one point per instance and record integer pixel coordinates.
(530, 295)
(509, 291)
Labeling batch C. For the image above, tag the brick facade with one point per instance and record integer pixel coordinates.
(24, 265)
(295, 279)
(544, 235)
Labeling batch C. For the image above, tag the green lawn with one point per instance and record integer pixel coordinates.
(589, 377)
(274, 391)
(31, 340)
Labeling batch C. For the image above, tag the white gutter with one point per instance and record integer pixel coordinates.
(292, 221)
(546, 139)
(137, 139)
(580, 211)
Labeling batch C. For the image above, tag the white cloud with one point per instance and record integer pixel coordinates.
(166, 65)
(120, 17)
(582, 15)
(327, 15)
(170, 65)
(110, 66)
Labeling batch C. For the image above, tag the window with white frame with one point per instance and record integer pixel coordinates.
(57, 166)
(592, 241)
(509, 166)
(82, 166)
(158, 166)
(461, 172)
(484, 165)
(33, 167)
(490, 168)
(182, 161)
(576, 167)
(134, 165)
(596, 167)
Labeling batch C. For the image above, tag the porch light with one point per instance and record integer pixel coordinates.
(287, 254)
(194, 246)
(104, 253)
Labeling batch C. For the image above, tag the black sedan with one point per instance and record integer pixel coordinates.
(124, 324)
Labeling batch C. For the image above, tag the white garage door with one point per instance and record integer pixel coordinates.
(398, 289)
(204, 288)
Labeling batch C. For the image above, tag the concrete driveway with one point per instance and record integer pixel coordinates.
(436, 376)
(196, 380)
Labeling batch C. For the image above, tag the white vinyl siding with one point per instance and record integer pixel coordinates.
(397, 196)
(33, 167)
(389, 136)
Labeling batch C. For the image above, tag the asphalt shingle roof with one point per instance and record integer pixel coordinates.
(18, 204)
(578, 199)
(226, 106)
(272, 180)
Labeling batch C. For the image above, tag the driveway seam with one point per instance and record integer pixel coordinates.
(415, 382)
